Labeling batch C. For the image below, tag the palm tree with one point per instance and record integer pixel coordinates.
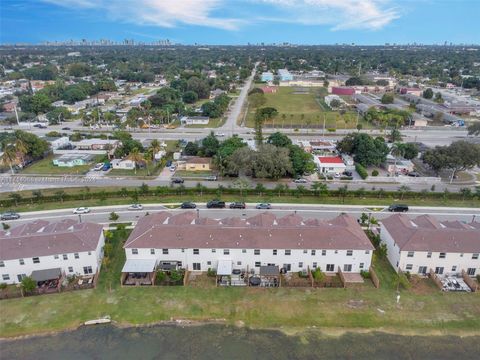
(135, 156)
(21, 149)
(155, 146)
(403, 190)
(397, 151)
(9, 156)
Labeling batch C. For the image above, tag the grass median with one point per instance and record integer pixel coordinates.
(361, 308)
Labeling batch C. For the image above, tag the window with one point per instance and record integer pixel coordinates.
(89, 253)
(347, 267)
(76, 256)
(324, 252)
(442, 255)
(196, 266)
(2, 264)
(135, 251)
(454, 268)
(209, 263)
(314, 265)
(422, 270)
(361, 266)
(305, 251)
(70, 269)
(471, 271)
(288, 252)
(367, 251)
(349, 252)
(300, 264)
(461, 255)
(5, 277)
(244, 251)
(179, 263)
(152, 251)
(439, 270)
(336, 251)
(65, 257)
(429, 254)
(274, 251)
(226, 251)
(257, 263)
(313, 252)
(256, 252)
(287, 267)
(36, 260)
(410, 254)
(87, 270)
(330, 267)
(165, 251)
(183, 250)
(21, 276)
(474, 256)
(55, 257)
(214, 250)
(196, 251)
(239, 263)
(21, 261)
(409, 267)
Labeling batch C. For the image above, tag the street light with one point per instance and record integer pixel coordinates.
(80, 218)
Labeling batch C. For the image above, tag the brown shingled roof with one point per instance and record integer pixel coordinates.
(260, 232)
(41, 238)
(425, 233)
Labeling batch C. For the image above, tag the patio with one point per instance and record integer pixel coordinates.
(48, 280)
(138, 272)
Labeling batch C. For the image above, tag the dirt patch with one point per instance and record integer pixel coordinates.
(422, 286)
(355, 304)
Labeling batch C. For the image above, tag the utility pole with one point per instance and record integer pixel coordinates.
(323, 129)
(16, 115)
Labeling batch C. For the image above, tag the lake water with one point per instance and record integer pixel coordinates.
(225, 342)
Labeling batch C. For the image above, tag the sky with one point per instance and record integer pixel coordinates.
(365, 22)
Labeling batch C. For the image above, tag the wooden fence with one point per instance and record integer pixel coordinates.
(435, 279)
(374, 277)
(342, 278)
(469, 281)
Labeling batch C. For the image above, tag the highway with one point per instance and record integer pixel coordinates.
(101, 214)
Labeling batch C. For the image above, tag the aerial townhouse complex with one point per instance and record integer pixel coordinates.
(49, 251)
(422, 244)
(289, 244)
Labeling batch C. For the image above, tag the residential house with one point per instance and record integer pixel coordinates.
(194, 120)
(289, 243)
(423, 243)
(267, 76)
(216, 92)
(59, 248)
(71, 160)
(123, 164)
(285, 75)
(398, 165)
(97, 144)
(329, 164)
(196, 163)
(59, 143)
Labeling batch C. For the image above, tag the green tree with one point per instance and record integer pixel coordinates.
(191, 149)
(428, 93)
(402, 190)
(387, 98)
(16, 197)
(190, 97)
(114, 216)
(28, 284)
(279, 139)
(395, 135)
(343, 192)
(474, 129)
(210, 145)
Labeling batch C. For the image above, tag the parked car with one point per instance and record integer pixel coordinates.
(135, 207)
(81, 210)
(10, 215)
(169, 163)
(66, 128)
(211, 178)
(237, 205)
(98, 167)
(106, 167)
(216, 204)
(219, 134)
(177, 180)
(398, 208)
(414, 174)
(300, 181)
(42, 126)
(264, 206)
(173, 168)
(347, 173)
(188, 205)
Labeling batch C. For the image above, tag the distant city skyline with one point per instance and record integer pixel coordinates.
(361, 22)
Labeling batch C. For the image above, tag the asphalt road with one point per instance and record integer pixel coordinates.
(101, 214)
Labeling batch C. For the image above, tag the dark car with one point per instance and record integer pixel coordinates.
(347, 173)
(177, 180)
(66, 128)
(216, 204)
(413, 174)
(188, 205)
(398, 208)
(237, 205)
(10, 216)
(169, 163)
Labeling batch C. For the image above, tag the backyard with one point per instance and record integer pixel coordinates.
(359, 308)
(304, 108)
(46, 167)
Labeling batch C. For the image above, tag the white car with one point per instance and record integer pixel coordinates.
(219, 134)
(98, 167)
(135, 207)
(81, 210)
(300, 181)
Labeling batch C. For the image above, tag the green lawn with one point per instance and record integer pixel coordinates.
(372, 309)
(151, 171)
(46, 167)
(213, 123)
(194, 174)
(304, 110)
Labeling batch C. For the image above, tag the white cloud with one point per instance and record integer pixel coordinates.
(163, 13)
(340, 14)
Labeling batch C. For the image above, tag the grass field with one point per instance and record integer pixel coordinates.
(46, 167)
(304, 111)
(361, 308)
